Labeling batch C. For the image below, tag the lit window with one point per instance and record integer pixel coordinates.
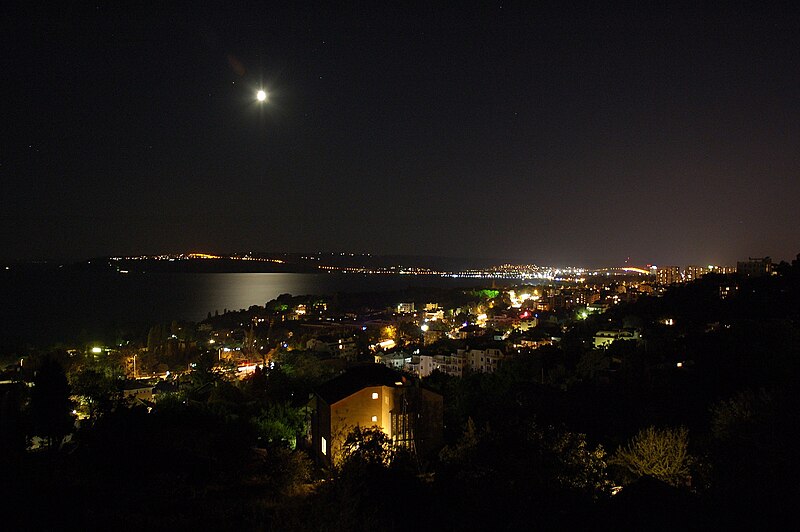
(374, 395)
(324, 445)
(374, 419)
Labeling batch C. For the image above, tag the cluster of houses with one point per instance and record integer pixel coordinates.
(454, 364)
(379, 395)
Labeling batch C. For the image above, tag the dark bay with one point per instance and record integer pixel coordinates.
(52, 306)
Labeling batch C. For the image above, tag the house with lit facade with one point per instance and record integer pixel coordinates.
(484, 360)
(458, 363)
(342, 347)
(398, 360)
(373, 395)
(606, 338)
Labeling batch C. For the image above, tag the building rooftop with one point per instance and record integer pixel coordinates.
(355, 379)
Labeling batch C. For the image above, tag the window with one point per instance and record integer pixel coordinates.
(324, 445)
(374, 395)
(374, 419)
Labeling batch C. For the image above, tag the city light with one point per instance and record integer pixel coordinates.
(261, 96)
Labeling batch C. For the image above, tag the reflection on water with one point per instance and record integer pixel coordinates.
(234, 291)
(47, 307)
(242, 290)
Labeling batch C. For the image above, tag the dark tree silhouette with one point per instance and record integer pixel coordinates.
(12, 426)
(50, 403)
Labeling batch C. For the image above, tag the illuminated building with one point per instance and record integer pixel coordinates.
(452, 364)
(339, 347)
(527, 324)
(373, 395)
(727, 291)
(455, 364)
(405, 308)
(580, 297)
(692, 273)
(484, 360)
(433, 315)
(722, 270)
(502, 322)
(668, 275)
(397, 360)
(605, 338)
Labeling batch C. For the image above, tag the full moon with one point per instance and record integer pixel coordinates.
(261, 96)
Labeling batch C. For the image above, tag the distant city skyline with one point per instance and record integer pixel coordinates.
(414, 261)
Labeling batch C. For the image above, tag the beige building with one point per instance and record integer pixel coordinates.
(372, 395)
(484, 360)
(463, 360)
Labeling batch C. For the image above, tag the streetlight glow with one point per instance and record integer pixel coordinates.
(261, 96)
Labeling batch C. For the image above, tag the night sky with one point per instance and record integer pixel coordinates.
(554, 135)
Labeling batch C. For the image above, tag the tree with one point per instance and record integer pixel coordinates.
(155, 337)
(250, 342)
(742, 417)
(97, 389)
(578, 466)
(366, 487)
(659, 453)
(12, 427)
(463, 452)
(754, 444)
(286, 470)
(368, 447)
(280, 424)
(592, 364)
(546, 458)
(50, 403)
(203, 372)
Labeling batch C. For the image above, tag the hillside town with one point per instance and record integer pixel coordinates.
(296, 399)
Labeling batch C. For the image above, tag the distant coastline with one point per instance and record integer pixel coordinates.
(261, 263)
(41, 307)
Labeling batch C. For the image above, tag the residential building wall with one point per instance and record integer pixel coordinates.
(754, 267)
(668, 275)
(359, 409)
(374, 406)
